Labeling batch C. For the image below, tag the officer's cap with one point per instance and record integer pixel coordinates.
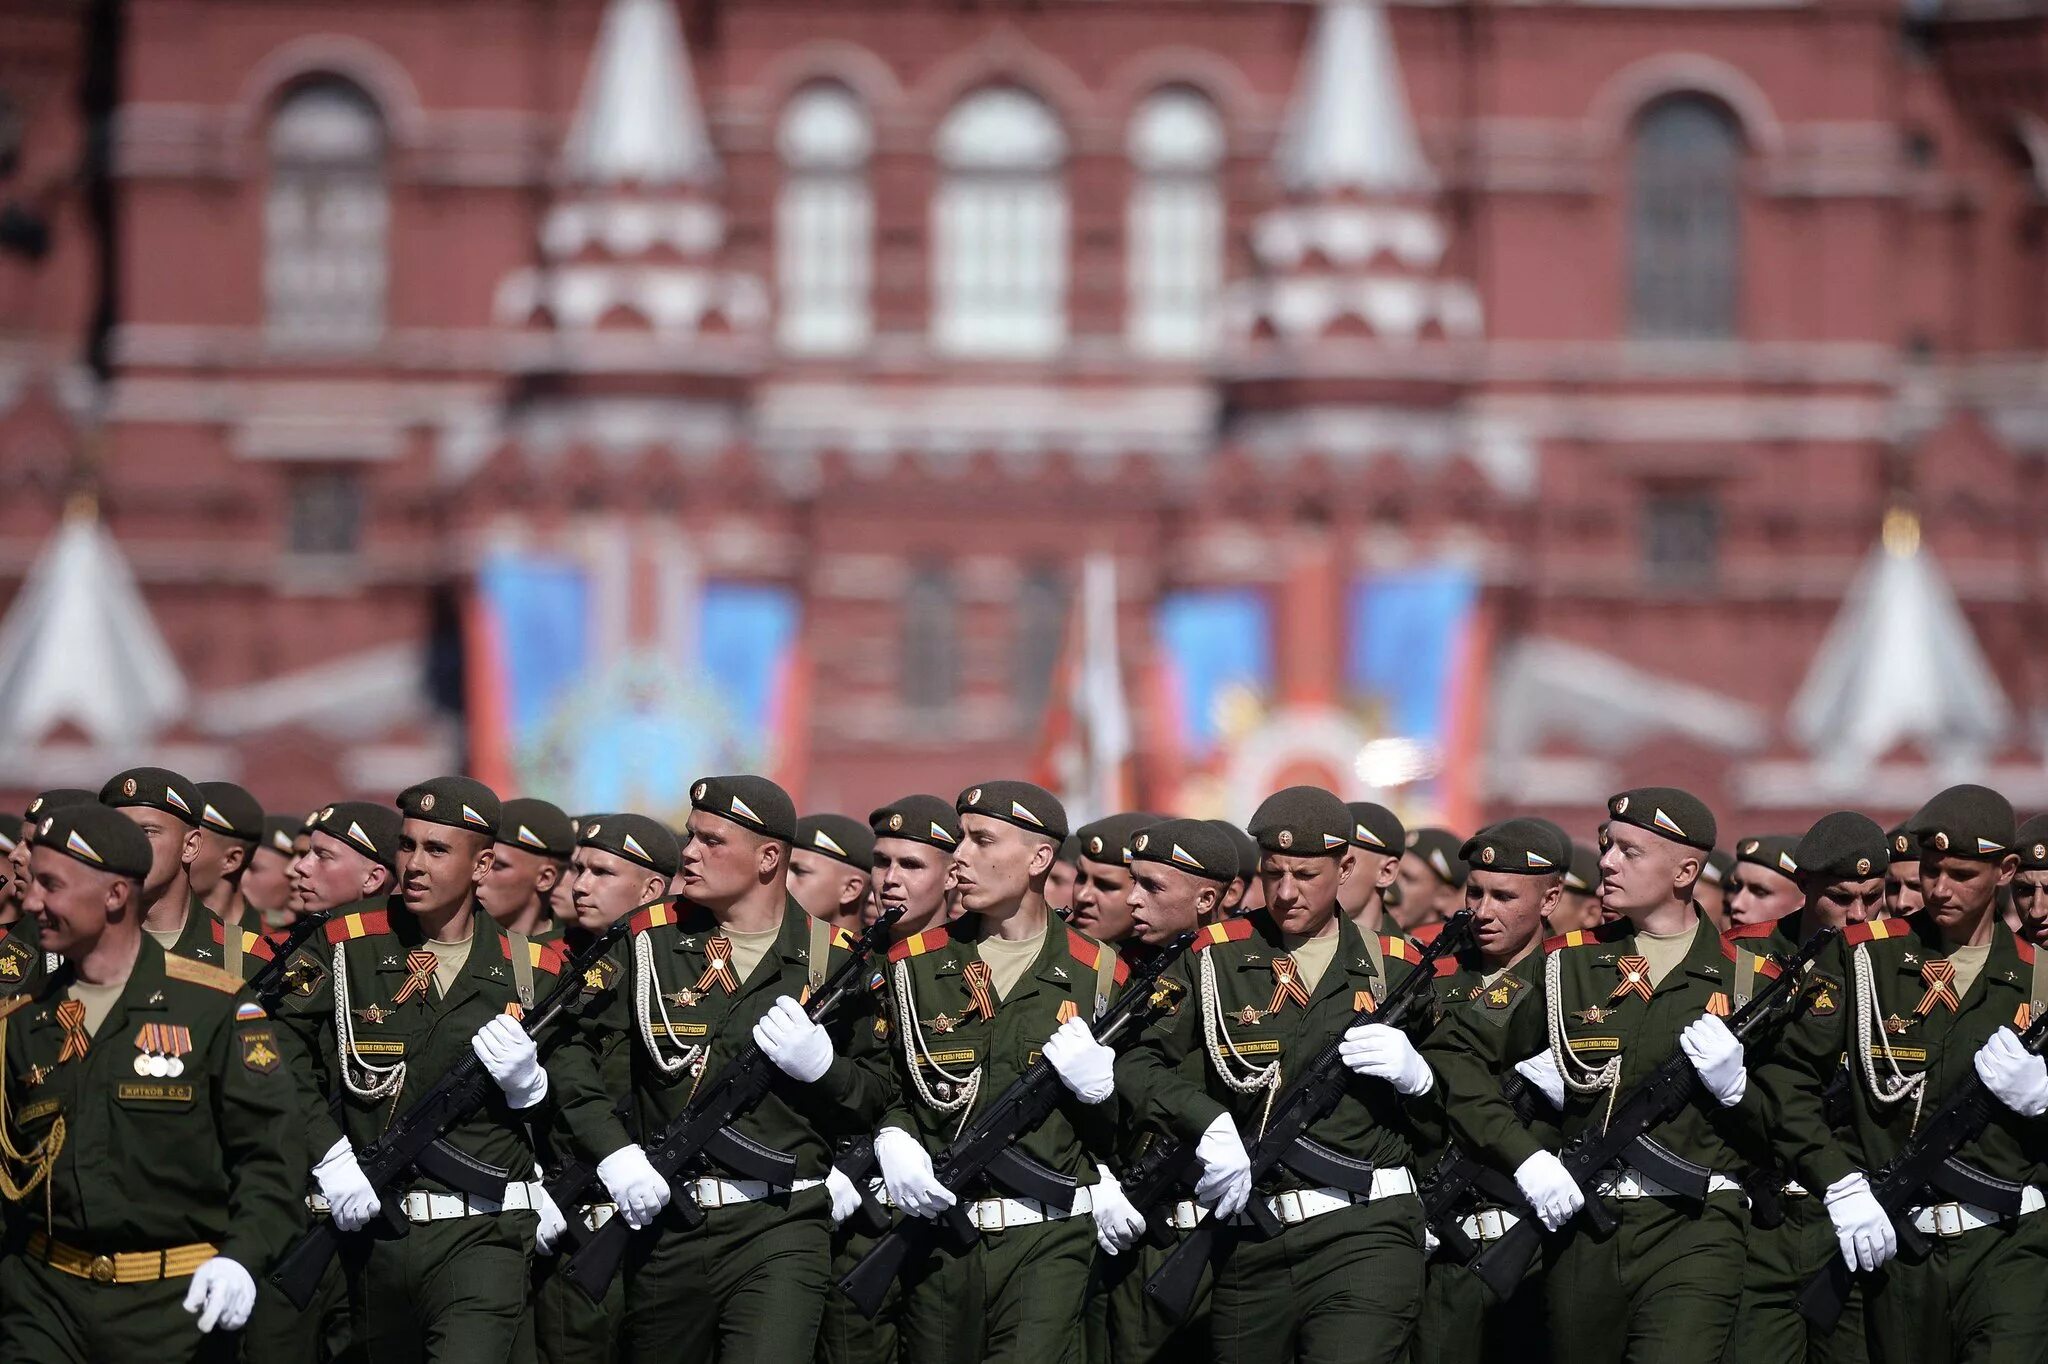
(280, 832)
(1773, 852)
(1439, 848)
(1584, 876)
(97, 835)
(1196, 846)
(1029, 807)
(229, 810)
(1974, 822)
(1526, 847)
(536, 826)
(1247, 847)
(1376, 829)
(1666, 811)
(2033, 844)
(371, 829)
(645, 842)
(1843, 846)
(919, 818)
(1108, 840)
(751, 802)
(839, 837)
(1302, 821)
(458, 802)
(158, 788)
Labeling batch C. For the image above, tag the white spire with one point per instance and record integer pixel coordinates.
(1349, 126)
(1899, 664)
(638, 119)
(79, 645)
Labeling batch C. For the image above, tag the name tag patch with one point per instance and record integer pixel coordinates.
(142, 1091)
(1584, 1044)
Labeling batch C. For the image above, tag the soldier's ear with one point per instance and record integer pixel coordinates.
(188, 850)
(1389, 868)
(1042, 855)
(1347, 865)
(548, 877)
(1207, 898)
(2008, 868)
(653, 888)
(234, 859)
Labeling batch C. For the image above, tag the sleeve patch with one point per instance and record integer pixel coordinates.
(259, 1051)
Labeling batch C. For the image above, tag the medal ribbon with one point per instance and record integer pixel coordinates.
(1635, 979)
(1286, 985)
(419, 973)
(71, 1017)
(977, 977)
(177, 1039)
(1940, 975)
(718, 965)
(149, 1039)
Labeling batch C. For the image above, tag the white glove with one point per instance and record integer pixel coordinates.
(351, 1202)
(1865, 1234)
(1540, 1070)
(845, 1198)
(1552, 1193)
(512, 1059)
(1226, 1179)
(907, 1174)
(1717, 1056)
(552, 1223)
(634, 1184)
(1085, 1066)
(222, 1293)
(1386, 1054)
(2017, 1076)
(799, 1048)
(1118, 1224)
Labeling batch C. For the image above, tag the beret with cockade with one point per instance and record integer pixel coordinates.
(839, 837)
(158, 788)
(1376, 829)
(919, 818)
(98, 836)
(369, 828)
(1772, 852)
(1974, 822)
(458, 802)
(227, 809)
(1196, 846)
(1108, 840)
(1032, 808)
(1526, 847)
(749, 801)
(1843, 846)
(1302, 821)
(1439, 848)
(646, 842)
(1666, 811)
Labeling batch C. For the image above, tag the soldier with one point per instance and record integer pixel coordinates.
(1102, 882)
(1763, 886)
(1578, 901)
(975, 1003)
(1710, 896)
(723, 964)
(1066, 870)
(351, 858)
(166, 807)
(267, 884)
(230, 825)
(1246, 881)
(148, 1118)
(1918, 1004)
(1379, 840)
(828, 869)
(1431, 877)
(1343, 1279)
(1902, 878)
(2030, 886)
(529, 860)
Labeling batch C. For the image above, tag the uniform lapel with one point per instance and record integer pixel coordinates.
(141, 1001)
(485, 965)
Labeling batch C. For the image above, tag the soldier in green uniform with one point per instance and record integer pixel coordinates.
(230, 827)
(1235, 894)
(529, 862)
(1102, 881)
(828, 869)
(975, 1004)
(147, 1134)
(23, 961)
(1343, 1279)
(1608, 1006)
(1431, 877)
(1066, 870)
(1902, 878)
(1378, 843)
(167, 808)
(1578, 901)
(1763, 885)
(2030, 886)
(267, 884)
(1710, 896)
(1919, 1004)
(726, 963)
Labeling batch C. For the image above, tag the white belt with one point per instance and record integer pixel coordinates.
(1298, 1205)
(1627, 1183)
(724, 1193)
(597, 1214)
(1000, 1214)
(1186, 1215)
(1794, 1189)
(1487, 1224)
(421, 1206)
(1953, 1219)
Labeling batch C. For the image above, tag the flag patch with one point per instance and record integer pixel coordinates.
(633, 846)
(171, 795)
(1666, 823)
(1365, 835)
(1332, 841)
(74, 842)
(744, 811)
(355, 832)
(1185, 858)
(1017, 809)
(469, 813)
(821, 839)
(214, 817)
(529, 837)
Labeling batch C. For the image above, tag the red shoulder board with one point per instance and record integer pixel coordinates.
(1426, 934)
(1400, 949)
(1088, 952)
(1877, 930)
(931, 940)
(361, 925)
(842, 939)
(542, 956)
(251, 944)
(1762, 930)
(1230, 930)
(2025, 949)
(654, 916)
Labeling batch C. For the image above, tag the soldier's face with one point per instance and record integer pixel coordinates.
(1507, 911)
(1758, 895)
(1959, 892)
(722, 861)
(71, 903)
(1640, 871)
(997, 862)
(1373, 873)
(1165, 902)
(827, 888)
(1301, 892)
(330, 874)
(1101, 901)
(167, 838)
(214, 859)
(605, 887)
(1850, 902)
(2030, 900)
(514, 879)
(267, 884)
(912, 877)
(438, 866)
(1059, 884)
(1902, 889)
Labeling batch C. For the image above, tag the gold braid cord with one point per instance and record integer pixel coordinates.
(40, 1160)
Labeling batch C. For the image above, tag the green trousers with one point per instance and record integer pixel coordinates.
(1463, 1323)
(1979, 1298)
(321, 1334)
(569, 1328)
(1664, 1288)
(1344, 1286)
(748, 1286)
(52, 1318)
(844, 1335)
(1016, 1297)
(450, 1292)
(1782, 1261)
(1135, 1331)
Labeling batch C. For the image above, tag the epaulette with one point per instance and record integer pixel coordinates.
(917, 944)
(1400, 949)
(2025, 949)
(1745, 931)
(544, 956)
(1088, 952)
(13, 1003)
(1425, 934)
(199, 973)
(1230, 930)
(1877, 930)
(358, 925)
(252, 944)
(842, 940)
(1588, 937)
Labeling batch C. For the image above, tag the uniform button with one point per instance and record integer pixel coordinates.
(102, 1269)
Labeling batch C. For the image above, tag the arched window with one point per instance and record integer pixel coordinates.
(824, 222)
(1175, 247)
(326, 220)
(930, 653)
(999, 228)
(1685, 238)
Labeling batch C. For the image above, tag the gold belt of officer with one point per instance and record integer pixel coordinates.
(131, 1266)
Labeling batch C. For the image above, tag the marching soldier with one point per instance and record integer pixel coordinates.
(1763, 885)
(267, 884)
(1066, 870)
(1578, 901)
(2030, 886)
(529, 861)
(1379, 841)
(351, 858)
(230, 824)
(167, 809)
(828, 869)
(1236, 893)
(1102, 881)
(1343, 1279)
(149, 1132)
(1431, 878)
(1902, 878)
(1917, 1005)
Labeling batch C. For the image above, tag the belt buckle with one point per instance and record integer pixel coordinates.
(1287, 1207)
(711, 1193)
(993, 1214)
(101, 1270)
(1489, 1225)
(1948, 1219)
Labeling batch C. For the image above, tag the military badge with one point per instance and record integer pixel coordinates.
(259, 1051)
(1822, 997)
(600, 977)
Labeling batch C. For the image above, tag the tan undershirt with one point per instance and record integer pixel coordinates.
(1969, 964)
(1008, 960)
(98, 1001)
(748, 949)
(1665, 950)
(166, 938)
(1312, 957)
(449, 959)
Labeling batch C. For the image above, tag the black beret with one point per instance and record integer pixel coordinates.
(1966, 821)
(646, 842)
(1773, 852)
(1668, 812)
(751, 802)
(1108, 840)
(536, 826)
(1019, 803)
(280, 832)
(1070, 851)
(920, 818)
(227, 809)
(56, 796)
(2033, 844)
(1843, 846)
(1196, 846)
(1899, 841)
(458, 802)
(1376, 829)
(1559, 839)
(1584, 876)
(97, 835)
(1247, 847)
(840, 837)
(159, 788)
(1526, 847)
(1439, 848)
(1302, 821)
(369, 828)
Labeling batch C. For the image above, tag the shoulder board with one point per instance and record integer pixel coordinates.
(1762, 930)
(1088, 952)
(1230, 930)
(2025, 949)
(13, 1003)
(842, 940)
(1426, 933)
(251, 944)
(1877, 930)
(917, 944)
(1400, 949)
(1588, 937)
(358, 925)
(543, 956)
(199, 973)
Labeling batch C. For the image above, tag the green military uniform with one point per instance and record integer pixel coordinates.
(22, 960)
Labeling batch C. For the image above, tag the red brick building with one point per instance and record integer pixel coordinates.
(1640, 315)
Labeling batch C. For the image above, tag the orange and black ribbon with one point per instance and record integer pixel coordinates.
(1940, 975)
(71, 1017)
(979, 978)
(419, 973)
(718, 965)
(1635, 978)
(1286, 985)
